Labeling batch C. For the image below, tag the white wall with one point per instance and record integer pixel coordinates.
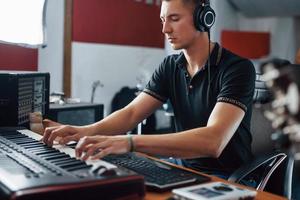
(226, 18)
(115, 66)
(283, 33)
(50, 58)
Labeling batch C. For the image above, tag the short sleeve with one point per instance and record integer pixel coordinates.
(158, 84)
(238, 84)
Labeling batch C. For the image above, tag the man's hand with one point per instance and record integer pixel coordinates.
(64, 134)
(95, 147)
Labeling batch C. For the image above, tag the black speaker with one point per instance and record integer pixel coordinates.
(204, 16)
(76, 113)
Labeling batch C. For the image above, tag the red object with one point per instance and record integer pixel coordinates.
(18, 58)
(247, 44)
(123, 22)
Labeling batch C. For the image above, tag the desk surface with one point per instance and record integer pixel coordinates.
(259, 196)
(163, 196)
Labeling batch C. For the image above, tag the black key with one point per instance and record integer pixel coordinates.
(42, 146)
(16, 136)
(28, 144)
(41, 152)
(64, 161)
(60, 159)
(49, 154)
(56, 157)
(21, 139)
(53, 154)
(78, 167)
(71, 164)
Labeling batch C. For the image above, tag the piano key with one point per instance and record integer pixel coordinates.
(43, 145)
(54, 161)
(12, 133)
(70, 165)
(54, 154)
(55, 157)
(78, 167)
(20, 139)
(18, 142)
(28, 144)
(16, 136)
(50, 154)
(36, 147)
(68, 150)
(69, 161)
(72, 145)
(41, 152)
(35, 150)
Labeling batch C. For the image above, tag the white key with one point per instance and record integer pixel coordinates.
(68, 150)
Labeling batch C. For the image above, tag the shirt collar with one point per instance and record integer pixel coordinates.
(181, 60)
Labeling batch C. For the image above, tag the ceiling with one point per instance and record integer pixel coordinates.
(267, 8)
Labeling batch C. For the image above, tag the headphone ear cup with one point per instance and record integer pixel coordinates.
(197, 20)
(204, 17)
(208, 17)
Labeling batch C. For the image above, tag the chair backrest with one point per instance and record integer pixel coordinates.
(262, 94)
(270, 172)
(261, 127)
(281, 180)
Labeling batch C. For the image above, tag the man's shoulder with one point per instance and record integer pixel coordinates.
(170, 62)
(234, 61)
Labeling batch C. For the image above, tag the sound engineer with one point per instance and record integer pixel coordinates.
(211, 92)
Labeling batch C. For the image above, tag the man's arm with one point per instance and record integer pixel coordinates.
(128, 117)
(118, 122)
(206, 141)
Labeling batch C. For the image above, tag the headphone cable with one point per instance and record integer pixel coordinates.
(208, 71)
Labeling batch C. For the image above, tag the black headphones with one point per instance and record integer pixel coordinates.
(204, 16)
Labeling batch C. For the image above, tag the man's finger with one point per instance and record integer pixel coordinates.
(102, 153)
(47, 133)
(82, 145)
(68, 139)
(59, 132)
(90, 151)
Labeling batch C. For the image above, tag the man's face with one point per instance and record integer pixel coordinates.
(177, 24)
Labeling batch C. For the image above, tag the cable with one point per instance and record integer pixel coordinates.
(208, 70)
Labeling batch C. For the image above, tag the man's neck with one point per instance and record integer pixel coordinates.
(197, 56)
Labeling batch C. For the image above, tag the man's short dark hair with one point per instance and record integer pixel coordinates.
(191, 2)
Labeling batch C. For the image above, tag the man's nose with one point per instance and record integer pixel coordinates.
(166, 28)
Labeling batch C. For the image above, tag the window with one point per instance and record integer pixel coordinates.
(22, 22)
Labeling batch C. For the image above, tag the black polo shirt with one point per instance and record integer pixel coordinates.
(232, 81)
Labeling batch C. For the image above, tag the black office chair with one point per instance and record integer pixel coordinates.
(270, 172)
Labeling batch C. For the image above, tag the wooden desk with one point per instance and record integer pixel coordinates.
(163, 196)
(259, 196)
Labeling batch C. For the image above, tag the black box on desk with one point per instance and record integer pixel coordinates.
(21, 94)
(76, 113)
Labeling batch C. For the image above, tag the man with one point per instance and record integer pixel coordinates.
(212, 119)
